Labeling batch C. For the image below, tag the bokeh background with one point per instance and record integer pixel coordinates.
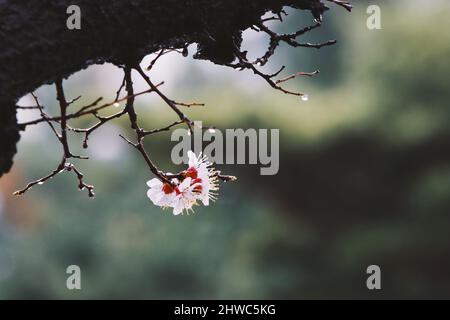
(364, 177)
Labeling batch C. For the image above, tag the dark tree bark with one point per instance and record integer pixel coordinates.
(37, 48)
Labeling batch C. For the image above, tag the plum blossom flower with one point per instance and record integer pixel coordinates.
(179, 196)
(197, 183)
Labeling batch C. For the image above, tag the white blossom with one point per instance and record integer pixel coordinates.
(197, 183)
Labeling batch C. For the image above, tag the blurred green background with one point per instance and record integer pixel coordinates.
(364, 178)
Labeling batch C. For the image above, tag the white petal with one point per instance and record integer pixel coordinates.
(178, 208)
(189, 197)
(168, 200)
(184, 185)
(154, 196)
(203, 172)
(163, 199)
(154, 183)
(193, 162)
(151, 193)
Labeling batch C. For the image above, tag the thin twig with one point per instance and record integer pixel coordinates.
(84, 111)
(168, 101)
(309, 74)
(139, 145)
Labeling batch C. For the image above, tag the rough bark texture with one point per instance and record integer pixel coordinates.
(36, 46)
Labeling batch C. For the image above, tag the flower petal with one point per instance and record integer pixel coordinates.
(184, 185)
(193, 161)
(153, 195)
(154, 183)
(178, 208)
